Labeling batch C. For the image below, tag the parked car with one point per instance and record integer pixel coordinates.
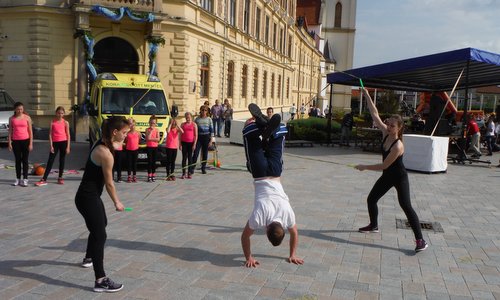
(6, 110)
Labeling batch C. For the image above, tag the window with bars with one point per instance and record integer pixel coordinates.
(230, 79)
(264, 85)
(255, 82)
(244, 80)
(272, 86)
(279, 86)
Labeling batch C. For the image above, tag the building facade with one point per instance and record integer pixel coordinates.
(243, 50)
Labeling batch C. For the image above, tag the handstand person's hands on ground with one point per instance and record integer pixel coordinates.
(295, 260)
(251, 262)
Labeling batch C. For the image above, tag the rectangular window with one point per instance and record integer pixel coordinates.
(207, 5)
(232, 12)
(257, 24)
(246, 16)
(282, 41)
(275, 34)
(266, 34)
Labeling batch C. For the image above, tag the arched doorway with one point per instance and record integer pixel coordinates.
(116, 55)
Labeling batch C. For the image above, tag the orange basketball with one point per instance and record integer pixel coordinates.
(218, 164)
(39, 170)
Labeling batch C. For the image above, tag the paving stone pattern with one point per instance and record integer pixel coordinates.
(182, 239)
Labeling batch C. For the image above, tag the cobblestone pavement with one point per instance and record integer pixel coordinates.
(182, 239)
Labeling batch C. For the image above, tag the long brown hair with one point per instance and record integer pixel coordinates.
(108, 126)
(401, 125)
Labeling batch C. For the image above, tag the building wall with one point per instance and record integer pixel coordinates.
(342, 44)
(37, 59)
(50, 71)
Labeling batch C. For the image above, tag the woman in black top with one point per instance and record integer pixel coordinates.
(393, 174)
(99, 173)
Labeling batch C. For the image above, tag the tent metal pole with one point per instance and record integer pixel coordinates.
(466, 101)
(329, 120)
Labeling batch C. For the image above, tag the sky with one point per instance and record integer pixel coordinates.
(390, 30)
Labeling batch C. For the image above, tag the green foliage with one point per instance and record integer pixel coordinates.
(158, 40)
(389, 103)
(312, 129)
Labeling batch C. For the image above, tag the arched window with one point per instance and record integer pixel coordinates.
(255, 82)
(230, 79)
(205, 73)
(244, 80)
(264, 85)
(338, 15)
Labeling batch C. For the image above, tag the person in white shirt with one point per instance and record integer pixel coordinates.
(293, 111)
(272, 208)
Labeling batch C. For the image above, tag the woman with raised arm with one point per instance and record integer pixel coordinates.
(393, 173)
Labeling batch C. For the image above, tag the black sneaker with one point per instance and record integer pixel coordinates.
(421, 245)
(107, 285)
(87, 262)
(272, 125)
(260, 119)
(368, 229)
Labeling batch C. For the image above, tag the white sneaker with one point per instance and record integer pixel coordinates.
(24, 183)
(16, 183)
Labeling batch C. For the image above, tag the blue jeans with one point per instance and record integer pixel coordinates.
(263, 162)
(201, 145)
(217, 123)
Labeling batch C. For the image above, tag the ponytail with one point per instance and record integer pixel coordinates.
(401, 125)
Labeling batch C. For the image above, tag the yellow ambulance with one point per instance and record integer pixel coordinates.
(132, 96)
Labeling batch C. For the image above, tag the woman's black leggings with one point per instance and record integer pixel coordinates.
(171, 157)
(61, 148)
(187, 155)
(21, 153)
(132, 161)
(117, 166)
(92, 210)
(402, 185)
(152, 151)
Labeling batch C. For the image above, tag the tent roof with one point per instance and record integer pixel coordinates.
(436, 72)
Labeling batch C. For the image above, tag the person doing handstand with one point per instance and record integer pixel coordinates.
(264, 140)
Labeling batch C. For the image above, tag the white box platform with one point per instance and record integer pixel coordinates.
(423, 153)
(236, 136)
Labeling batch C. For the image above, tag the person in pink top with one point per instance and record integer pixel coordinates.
(189, 137)
(132, 150)
(172, 143)
(152, 139)
(20, 141)
(59, 140)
